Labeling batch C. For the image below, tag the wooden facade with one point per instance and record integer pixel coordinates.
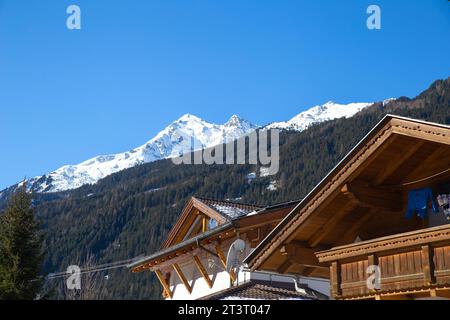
(411, 265)
(355, 218)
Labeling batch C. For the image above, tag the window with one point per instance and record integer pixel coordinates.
(212, 224)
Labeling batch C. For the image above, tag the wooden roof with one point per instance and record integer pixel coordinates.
(364, 195)
(232, 217)
(266, 290)
(221, 211)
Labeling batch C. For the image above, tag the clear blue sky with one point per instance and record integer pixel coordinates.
(136, 66)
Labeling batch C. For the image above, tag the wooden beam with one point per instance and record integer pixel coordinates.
(428, 180)
(383, 141)
(439, 154)
(396, 163)
(284, 266)
(204, 224)
(335, 279)
(320, 234)
(353, 231)
(203, 208)
(180, 258)
(307, 271)
(183, 279)
(202, 270)
(437, 135)
(397, 242)
(440, 293)
(393, 297)
(300, 253)
(191, 228)
(164, 283)
(378, 198)
(372, 260)
(427, 265)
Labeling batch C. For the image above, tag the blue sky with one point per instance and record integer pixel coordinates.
(136, 66)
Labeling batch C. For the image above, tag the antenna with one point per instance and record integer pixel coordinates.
(234, 253)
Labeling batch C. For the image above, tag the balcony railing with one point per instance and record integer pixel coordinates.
(412, 264)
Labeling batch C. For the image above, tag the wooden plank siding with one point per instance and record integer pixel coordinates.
(399, 272)
(404, 268)
(442, 265)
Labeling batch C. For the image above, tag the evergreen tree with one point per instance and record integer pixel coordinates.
(20, 249)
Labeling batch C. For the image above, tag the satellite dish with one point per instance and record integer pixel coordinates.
(236, 249)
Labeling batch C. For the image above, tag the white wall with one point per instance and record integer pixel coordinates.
(200, 288)
(221, 279)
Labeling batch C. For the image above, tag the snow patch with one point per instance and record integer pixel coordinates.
(251, 176)
(264, 172)
(272, 186)
(230, 211)
(154, 190)
(386, 101)
(252, 213)
(321, 113)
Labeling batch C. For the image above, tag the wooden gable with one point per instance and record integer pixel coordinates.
(192, 221)
(364, 196)
(254, 227)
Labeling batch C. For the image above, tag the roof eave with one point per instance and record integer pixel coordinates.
(181, 245)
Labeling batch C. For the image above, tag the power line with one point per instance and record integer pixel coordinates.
(92, 269)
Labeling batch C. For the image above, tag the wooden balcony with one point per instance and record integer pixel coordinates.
(412, 265)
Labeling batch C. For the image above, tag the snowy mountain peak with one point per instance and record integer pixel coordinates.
(184, 135)
(234, 119)
(189, 117)
(327, 111)
(237, 122)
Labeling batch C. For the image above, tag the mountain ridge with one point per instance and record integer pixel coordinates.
(320, 113)
(186, 134)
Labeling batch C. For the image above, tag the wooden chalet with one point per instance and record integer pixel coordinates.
(192, 261)
(356, 218)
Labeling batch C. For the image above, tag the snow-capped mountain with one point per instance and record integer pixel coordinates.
(327, 111)
(184, 135)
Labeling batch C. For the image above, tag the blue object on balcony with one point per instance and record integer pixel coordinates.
(418, 201)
